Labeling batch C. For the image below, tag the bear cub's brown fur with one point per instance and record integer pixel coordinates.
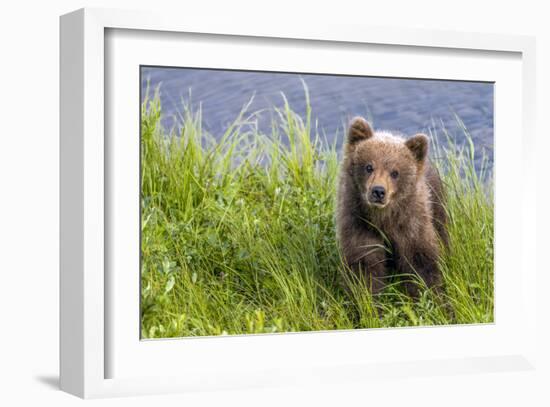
(390, 208)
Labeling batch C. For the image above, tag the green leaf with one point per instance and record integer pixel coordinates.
(169, 284)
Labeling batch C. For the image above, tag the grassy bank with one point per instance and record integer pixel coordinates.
(238, 234)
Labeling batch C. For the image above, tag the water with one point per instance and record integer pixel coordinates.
(408, 106)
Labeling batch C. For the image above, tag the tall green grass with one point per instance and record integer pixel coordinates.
(238, 234)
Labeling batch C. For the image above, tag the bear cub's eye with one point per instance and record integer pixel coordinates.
(369, 169)
(394, 174)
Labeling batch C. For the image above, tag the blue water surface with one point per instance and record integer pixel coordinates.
(407, 106)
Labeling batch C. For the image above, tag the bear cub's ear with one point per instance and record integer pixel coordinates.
(418, 145)
(359, 129)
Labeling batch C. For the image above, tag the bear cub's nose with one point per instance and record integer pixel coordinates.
(378, 193)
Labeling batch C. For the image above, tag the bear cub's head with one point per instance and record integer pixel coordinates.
(385, 168)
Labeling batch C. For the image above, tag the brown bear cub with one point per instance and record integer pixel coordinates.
(390, 208)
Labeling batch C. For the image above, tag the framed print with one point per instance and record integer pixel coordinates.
(263, 206)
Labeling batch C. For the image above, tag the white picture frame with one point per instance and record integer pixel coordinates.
(89, 310)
